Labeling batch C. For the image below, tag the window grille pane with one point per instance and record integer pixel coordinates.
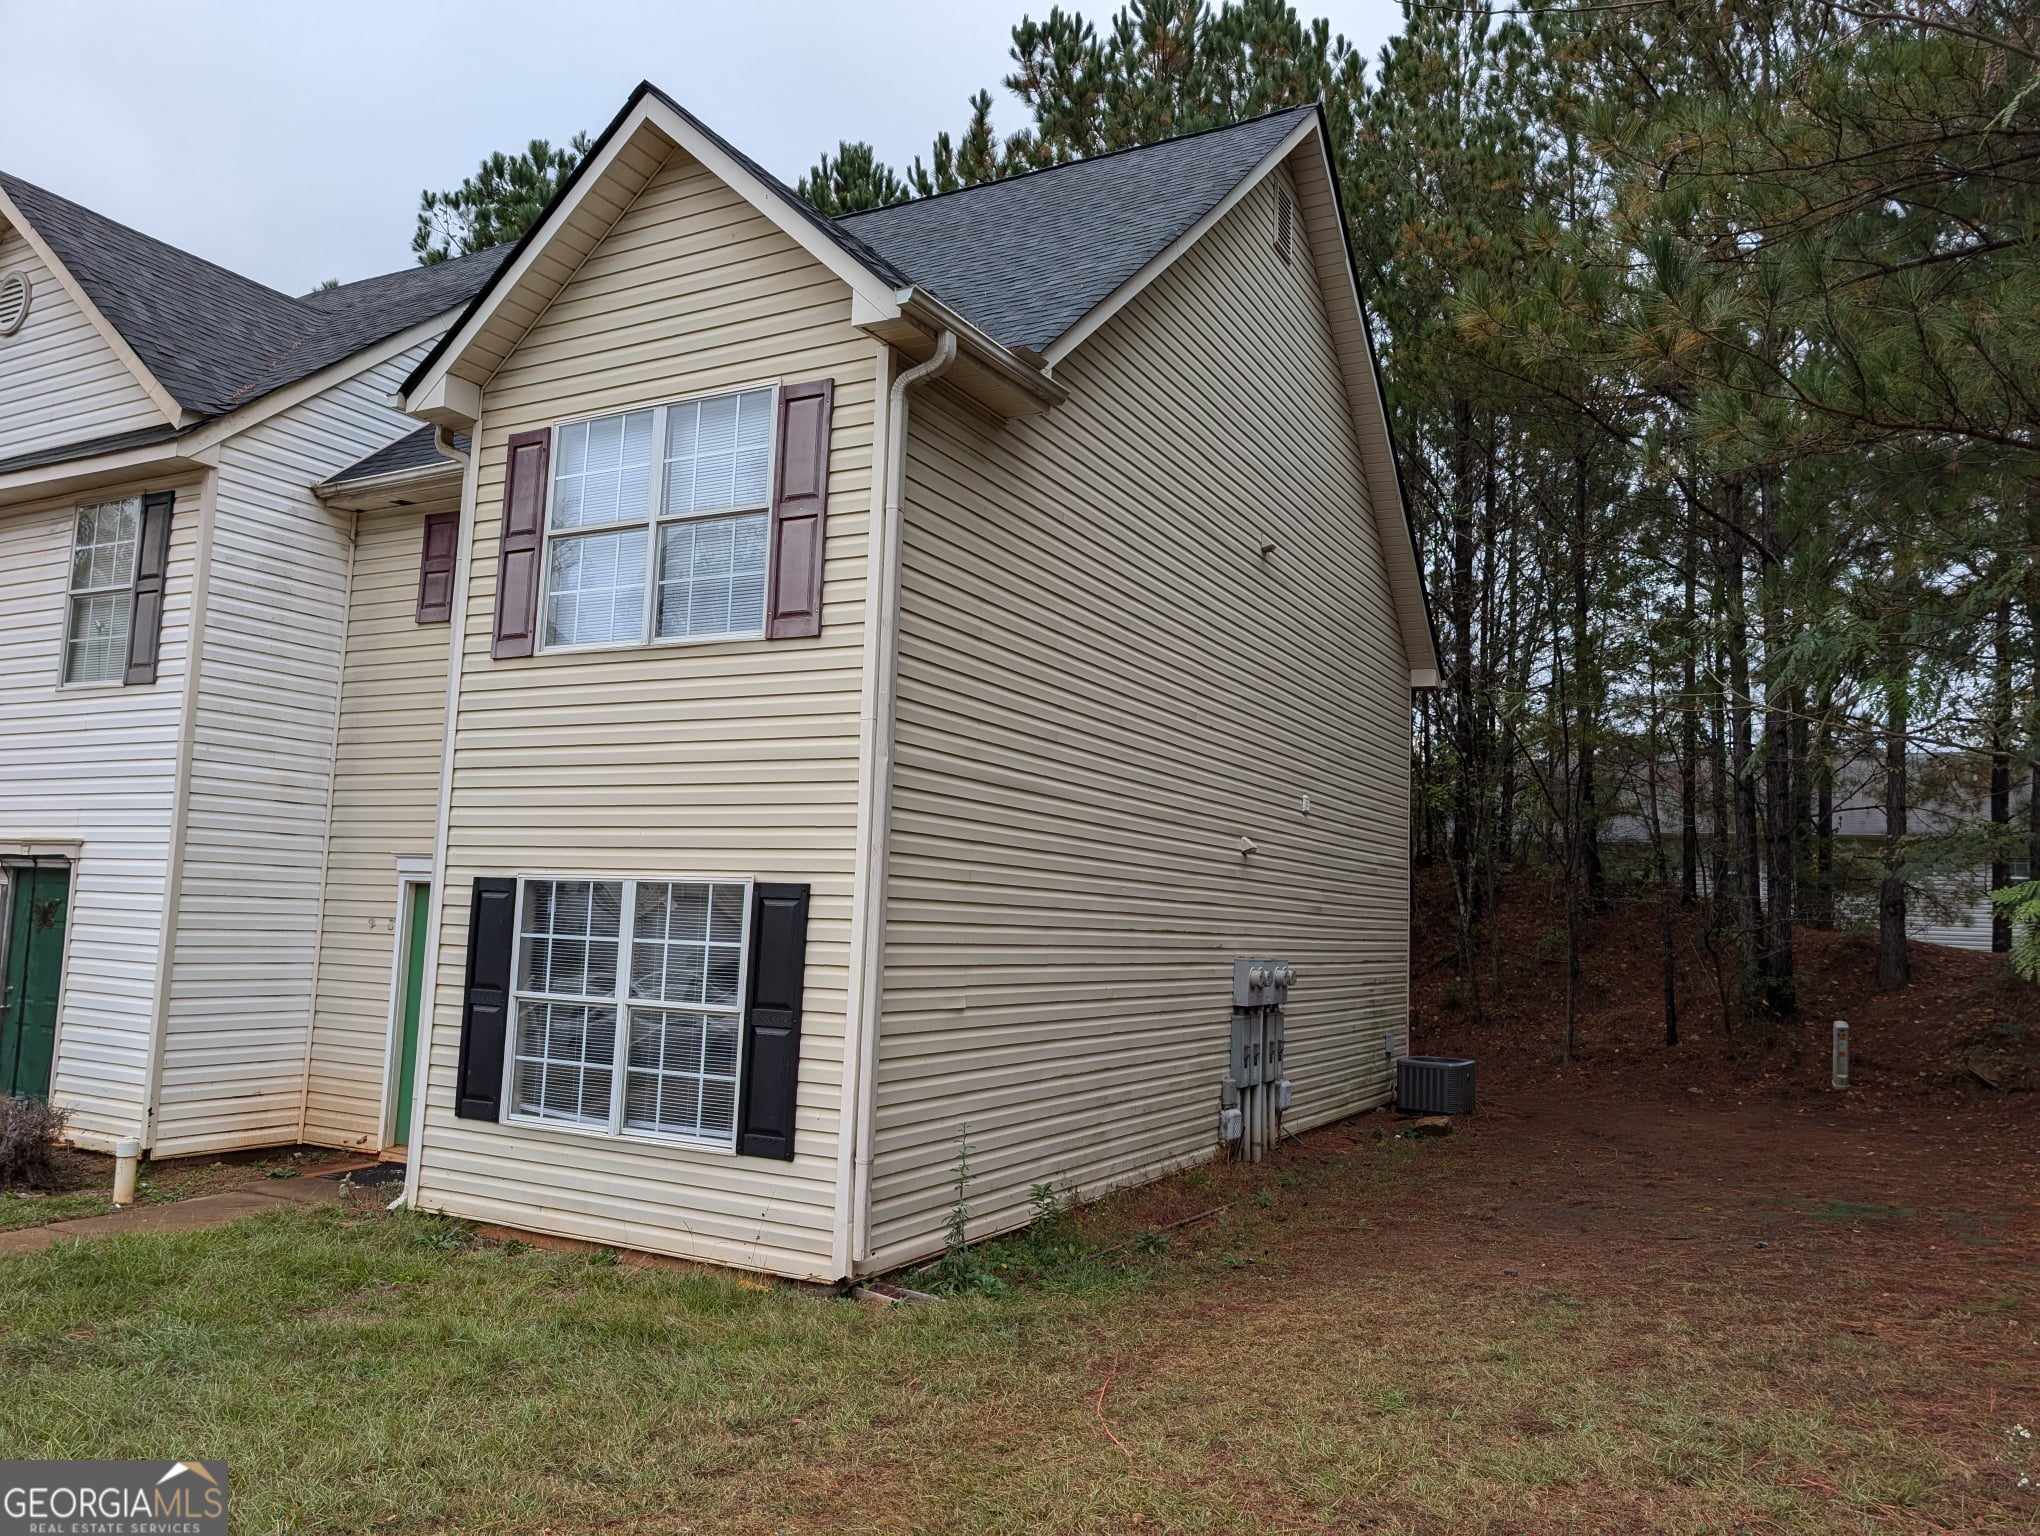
(712, 577)
(595, 588)
(726, 925)
(604, 473)
(681, 1062)
(563, 1069)
(96, 647)
(682, 1075)
(719, 453)
(103, 553)
(571, 937)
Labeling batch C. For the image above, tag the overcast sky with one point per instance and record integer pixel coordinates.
(291, 142)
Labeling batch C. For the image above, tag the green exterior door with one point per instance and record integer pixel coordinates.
(39, 903)
(414, 990)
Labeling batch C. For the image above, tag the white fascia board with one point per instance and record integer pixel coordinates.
(1127, 291)
(1420, 641)
(173, 413)
(434, 400)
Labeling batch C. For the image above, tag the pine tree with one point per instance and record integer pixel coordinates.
(495, 205)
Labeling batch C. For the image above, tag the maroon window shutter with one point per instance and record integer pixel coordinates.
(800, 502)
(435, 568)
(152, 569)
(522, 538)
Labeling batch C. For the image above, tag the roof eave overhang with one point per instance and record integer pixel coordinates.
(175, 458)
(403, 487)
(1404, 554)
(990, 372)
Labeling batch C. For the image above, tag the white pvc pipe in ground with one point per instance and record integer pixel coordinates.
(127, 1162)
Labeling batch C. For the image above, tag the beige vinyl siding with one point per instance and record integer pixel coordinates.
(734, 758)
(96, 764)
(59, 380)
(1103, 688)
(233, 1070)
(385, 807)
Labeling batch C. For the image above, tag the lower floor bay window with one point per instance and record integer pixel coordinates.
(627, 1006)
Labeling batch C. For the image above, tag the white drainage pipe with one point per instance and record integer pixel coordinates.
(127, 1162)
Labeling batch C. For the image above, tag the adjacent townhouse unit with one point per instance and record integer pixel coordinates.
(817, 696)
(180, 616)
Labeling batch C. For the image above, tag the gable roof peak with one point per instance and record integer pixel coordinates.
(209, 338)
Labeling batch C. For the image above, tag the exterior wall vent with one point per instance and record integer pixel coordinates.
(1285, 216)
(15, 290)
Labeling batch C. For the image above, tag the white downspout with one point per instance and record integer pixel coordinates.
(882, 620)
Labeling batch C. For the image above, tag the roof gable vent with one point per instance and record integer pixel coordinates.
(14, 294)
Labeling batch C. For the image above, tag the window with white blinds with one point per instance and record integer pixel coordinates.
(104, 545)
(659, 523)
(627, 1006)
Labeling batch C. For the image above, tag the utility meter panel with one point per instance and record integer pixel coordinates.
(1261, 983)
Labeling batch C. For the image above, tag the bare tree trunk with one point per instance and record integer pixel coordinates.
(1462, 636)
(2001, 771)
(1894, 961)
(1745, 875)
(1717, 797)
(1780, 995)
(1689, 724)
(1666, 904)
(1586, 679)
(1465, 881)
(1824, 815)
(1805, 896)
(2033, 681)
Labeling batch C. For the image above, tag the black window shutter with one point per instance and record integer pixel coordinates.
(779, 916)
(152, 566)
(435, 568)
(485, 1012)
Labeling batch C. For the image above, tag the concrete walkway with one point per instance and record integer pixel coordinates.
(191, 1215)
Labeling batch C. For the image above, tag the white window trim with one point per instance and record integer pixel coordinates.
(654, 520)
(620, 1064)
(65, 683)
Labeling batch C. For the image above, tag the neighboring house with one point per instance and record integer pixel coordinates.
(174, 636)
(897, 666)
(1948, 883)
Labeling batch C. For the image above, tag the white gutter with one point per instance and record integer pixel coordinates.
(874, 816)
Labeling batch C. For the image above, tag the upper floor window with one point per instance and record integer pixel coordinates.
(103, 558)
(659, 523)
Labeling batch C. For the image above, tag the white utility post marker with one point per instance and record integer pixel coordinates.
(1841, 1075)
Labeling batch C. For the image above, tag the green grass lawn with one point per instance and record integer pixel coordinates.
(1288, 1366)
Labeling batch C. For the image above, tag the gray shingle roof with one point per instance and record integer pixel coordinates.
(1023, 259)
(141, 437)
(414, 450)
(212, 338)
(1027, 258)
